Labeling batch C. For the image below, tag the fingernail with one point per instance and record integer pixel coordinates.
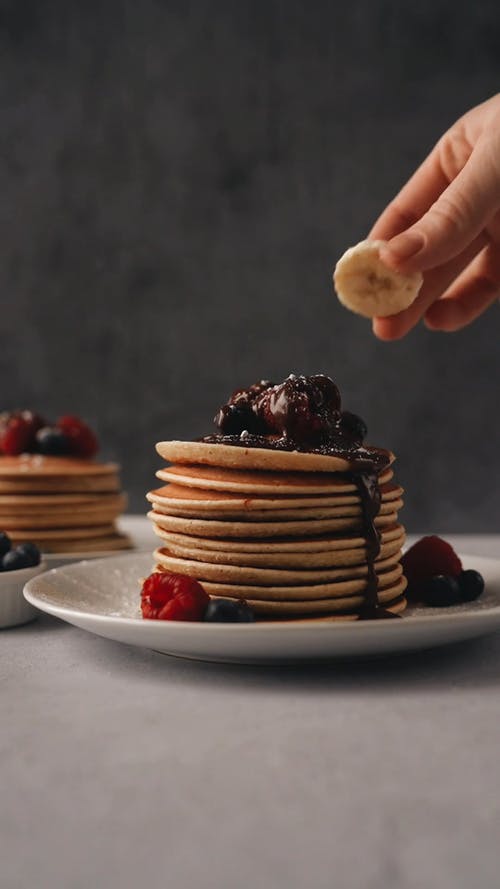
(405, 245)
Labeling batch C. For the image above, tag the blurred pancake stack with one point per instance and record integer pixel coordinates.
(64, 502)
(291, 513)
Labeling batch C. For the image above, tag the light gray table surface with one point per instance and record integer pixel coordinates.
(124, 768)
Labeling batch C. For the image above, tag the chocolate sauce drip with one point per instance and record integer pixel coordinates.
(369, 494)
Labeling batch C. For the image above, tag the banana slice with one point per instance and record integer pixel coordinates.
(368, 287)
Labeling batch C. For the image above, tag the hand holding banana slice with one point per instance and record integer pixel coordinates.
(368, 287)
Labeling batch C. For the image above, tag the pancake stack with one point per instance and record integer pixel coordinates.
(63, 504)
(286, 531)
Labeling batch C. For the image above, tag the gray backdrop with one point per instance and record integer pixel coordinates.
(177, 182)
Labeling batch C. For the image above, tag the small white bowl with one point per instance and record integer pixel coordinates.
(14, 609)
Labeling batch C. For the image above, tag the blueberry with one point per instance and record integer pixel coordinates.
(441, 591)
(5, 543)
(52, 441)
(471, 585)
(228, 611)
(14, 561)
(353, 427)
(30, 552)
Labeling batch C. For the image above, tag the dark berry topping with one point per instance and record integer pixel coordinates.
(441, 591)
(168, 596)
(229, 611)
(82, 440)
(352, 427)
(233, 419)
(52, 441)
(471, 584)
(300, 414)
(250, 395)
(30, 552)
(301, 408)
(5, 543)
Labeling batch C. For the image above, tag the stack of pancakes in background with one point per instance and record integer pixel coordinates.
(63, 504)
(284, 531)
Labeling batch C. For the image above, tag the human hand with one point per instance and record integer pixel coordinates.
(445, 222)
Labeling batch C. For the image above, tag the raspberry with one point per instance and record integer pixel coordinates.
(429, 557)
(16, 436)
(167, 596)
(82, 440)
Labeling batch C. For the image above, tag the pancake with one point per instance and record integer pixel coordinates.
(328, 559)
(46, 534)
(321, 544)
(260, 576)
(284, 609)
(395, 606)
(41, 466)
(217, 478)
(63, 504)
(279, 515)
(235, 457)
(201, 499)
(105, 543)
(311, 527)
(42, 501)
(75, 519)
(53, 485)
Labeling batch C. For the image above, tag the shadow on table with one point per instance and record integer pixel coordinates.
(472, 664)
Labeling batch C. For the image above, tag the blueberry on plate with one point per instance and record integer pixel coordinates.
(31, 554)
(471, 585)
(228, 611)
(441, 591)
(5, 543)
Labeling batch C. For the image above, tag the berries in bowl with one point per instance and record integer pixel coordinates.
(18, 564)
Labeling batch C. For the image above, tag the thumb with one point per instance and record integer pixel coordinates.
(455, 219)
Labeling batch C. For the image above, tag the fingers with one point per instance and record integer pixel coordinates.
(453, 220)
(436, 282)
(414, 199)
(476, 289)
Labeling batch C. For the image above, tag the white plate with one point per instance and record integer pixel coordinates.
(102, 596)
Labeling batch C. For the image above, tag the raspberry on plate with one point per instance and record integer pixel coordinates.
(168, 596)
(429, 557)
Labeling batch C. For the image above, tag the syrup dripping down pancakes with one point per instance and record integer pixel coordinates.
(63, 504)
(291, 512)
